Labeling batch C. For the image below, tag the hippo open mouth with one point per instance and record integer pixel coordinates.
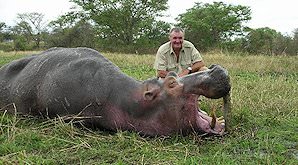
(213, 83)
(204, 122)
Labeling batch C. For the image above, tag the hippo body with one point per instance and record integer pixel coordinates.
(80, 82)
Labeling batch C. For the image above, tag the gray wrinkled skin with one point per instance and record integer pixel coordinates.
(81, 83)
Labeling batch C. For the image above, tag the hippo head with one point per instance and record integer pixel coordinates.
(213, 83)
(170, 104)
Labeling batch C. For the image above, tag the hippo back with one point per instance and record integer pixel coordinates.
(66, 80)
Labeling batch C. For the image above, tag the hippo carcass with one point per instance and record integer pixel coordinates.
(80, 82)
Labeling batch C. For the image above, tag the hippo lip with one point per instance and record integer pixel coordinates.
(213, 83)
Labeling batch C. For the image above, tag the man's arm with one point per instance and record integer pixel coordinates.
(160, 64)
(162, 73)
(197, 66)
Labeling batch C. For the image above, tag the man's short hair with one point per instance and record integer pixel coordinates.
(176, 29)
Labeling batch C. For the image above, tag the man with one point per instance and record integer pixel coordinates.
(178, 55)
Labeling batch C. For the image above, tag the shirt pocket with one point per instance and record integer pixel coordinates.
(186, 62)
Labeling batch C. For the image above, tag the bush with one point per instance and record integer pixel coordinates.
(6, 46)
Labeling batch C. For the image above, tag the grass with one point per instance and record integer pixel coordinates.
(264, 123)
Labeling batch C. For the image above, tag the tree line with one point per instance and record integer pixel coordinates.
(135, 26)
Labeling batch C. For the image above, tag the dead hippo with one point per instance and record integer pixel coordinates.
(83, 84)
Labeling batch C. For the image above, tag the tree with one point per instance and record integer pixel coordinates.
(80, 34)
(281, 44)
(31, 25)
(260, 41)
(2, 26)
(154, 35)
(207, 25)
(5, 38)
(24, 29)
(2, 31)
(293, 48)
(122, 22)
(20, 43)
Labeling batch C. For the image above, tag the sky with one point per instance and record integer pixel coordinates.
(279, 15)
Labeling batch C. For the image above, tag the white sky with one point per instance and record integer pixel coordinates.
(279, 15)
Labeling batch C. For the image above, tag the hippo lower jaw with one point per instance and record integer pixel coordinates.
(204, 123)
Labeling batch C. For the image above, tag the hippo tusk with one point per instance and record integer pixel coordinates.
(227, 111)
(213, 121)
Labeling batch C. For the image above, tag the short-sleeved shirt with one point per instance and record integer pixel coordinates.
(166, 59)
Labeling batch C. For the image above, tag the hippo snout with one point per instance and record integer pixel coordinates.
(213, 83)
(219, 83)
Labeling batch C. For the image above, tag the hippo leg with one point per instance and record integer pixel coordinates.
(205, 123)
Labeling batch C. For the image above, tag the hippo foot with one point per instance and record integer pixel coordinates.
(211, 125)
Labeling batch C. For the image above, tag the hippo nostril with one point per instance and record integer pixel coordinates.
(217, 71)
(212, 66)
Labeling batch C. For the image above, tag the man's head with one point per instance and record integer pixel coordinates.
(176, 38)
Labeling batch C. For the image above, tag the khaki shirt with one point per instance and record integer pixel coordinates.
(167, 60)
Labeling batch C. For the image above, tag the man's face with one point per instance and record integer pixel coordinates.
(176, 39)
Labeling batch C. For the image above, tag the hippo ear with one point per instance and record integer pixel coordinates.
(151, 94)
(171, 82)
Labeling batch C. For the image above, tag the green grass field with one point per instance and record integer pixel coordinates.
(264, 123)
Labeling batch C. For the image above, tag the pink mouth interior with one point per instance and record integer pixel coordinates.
(203, 122)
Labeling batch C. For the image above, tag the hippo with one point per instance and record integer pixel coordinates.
(81, 84)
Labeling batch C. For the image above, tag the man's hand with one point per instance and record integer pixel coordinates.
(162, 73)
(203, 68)
(183, 73)
(199, 66)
